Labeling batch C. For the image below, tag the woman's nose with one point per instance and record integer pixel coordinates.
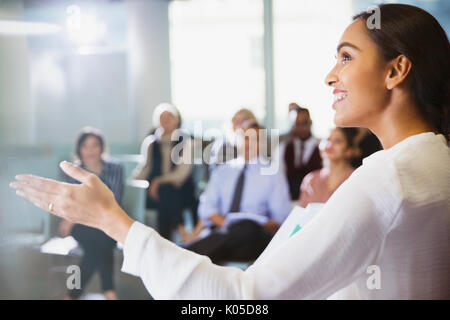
(331, 78)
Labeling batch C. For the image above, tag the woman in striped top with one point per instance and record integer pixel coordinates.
(97, 246)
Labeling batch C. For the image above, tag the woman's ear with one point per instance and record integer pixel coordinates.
(399, 69)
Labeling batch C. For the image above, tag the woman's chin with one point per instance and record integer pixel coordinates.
(341, 120)
(338, 119)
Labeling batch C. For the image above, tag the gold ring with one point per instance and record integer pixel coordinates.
(50, 207)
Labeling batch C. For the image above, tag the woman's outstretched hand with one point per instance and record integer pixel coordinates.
(90, 203)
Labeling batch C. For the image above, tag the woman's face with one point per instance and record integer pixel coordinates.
(336, 147)
(91, 150)
(168, 121)
(358, 78)
(238, 119)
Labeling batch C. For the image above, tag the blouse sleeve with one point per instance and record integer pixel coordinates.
(327, 254)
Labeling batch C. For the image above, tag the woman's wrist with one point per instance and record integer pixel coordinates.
(117, 224)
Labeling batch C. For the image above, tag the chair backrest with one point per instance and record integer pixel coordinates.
(134, 194)
(129, 162)
(134, 199)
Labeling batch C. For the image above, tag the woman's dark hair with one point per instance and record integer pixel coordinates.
(85, 133)
(349, 134)
(416, 34)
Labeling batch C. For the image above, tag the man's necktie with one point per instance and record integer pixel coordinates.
(236, 203)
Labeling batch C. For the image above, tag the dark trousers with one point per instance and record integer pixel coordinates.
(243, 241)
(170, 208)
(98, 256)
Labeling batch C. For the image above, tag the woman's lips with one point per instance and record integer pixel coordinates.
(339, 96)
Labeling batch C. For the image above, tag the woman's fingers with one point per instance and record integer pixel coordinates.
(43, 184)
(41, 200)
(76, 203)
(77, 173)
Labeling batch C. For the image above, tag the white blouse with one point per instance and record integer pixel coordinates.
(392, 216)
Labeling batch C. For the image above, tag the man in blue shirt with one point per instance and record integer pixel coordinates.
(242, 206)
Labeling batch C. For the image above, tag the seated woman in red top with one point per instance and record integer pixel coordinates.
(336, 151)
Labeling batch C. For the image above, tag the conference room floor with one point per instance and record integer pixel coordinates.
(26, 273)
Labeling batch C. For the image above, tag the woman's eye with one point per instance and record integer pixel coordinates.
(345, 57)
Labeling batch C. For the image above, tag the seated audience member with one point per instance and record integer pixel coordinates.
(225, 150)
(241, 207)
(366, 143)
(97, 246)
(293, 107)
(337, 150)
(171, 187)
(299, 154)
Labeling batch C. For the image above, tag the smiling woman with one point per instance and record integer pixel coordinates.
(399, 72)
(392, 212)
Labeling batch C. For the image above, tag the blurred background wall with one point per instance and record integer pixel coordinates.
(207, 56)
